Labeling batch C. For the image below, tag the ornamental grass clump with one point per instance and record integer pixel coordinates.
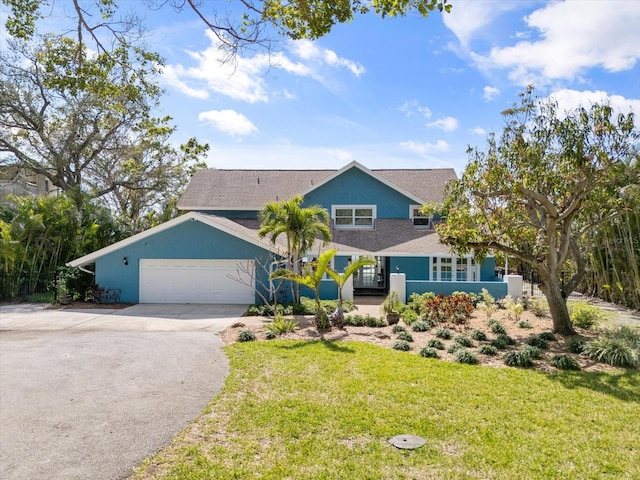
(463, 340)
(495, 326)
(537, 341)
(613, 351)
(518, 358)
(428, 352)
(281, 325)
(564, 362)
(398, 328)
(401, 345)
(444, 333)
(465, 356)
(435, 343)
(421, 326)
(488, 350)
(247, 335)
(478, 335)
(406, 336)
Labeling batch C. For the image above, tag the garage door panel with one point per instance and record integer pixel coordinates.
(192, 281)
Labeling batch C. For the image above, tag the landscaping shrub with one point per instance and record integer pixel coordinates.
(453, 308)
(564, 362)
(454, 347)
(435, 343)
(613, 351)
(420, 326)
(524, 324)
(408, 316)
(534, 352)
(478, 335)
(406, 336)
(463, 340)
(417, 302)
(584, 315)
(444, 333)
(538, 306)
(428, 352)
(575, 345)
(371, 321)
(488, 303)
(270, 335)
(499, 343)
(401, 345)
(495, 326)
(537, 341)
(515, 308)
(548, 336)
(488, 350)
(281, 325)
(398, 328)
(518, 358)
(246, 335)
(465, 356)
(506, 339)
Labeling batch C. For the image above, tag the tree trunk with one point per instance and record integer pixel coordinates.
(558, 306)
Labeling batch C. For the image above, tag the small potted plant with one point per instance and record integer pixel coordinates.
(391, 307)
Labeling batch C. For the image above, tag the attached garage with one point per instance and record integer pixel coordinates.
(193, 281)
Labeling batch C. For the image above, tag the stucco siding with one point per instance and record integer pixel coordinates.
(187, 240)
(497, 289)
(355, 187)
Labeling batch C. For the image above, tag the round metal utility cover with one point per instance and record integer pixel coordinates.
(407, 442)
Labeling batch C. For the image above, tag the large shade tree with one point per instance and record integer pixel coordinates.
(301, 226)
(85, 121)
(251, 24)
(537, 189)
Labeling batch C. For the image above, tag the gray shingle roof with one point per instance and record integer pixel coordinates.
(214, 189)
(396, 236)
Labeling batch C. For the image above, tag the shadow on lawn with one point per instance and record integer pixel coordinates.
(333, 345)
(623, 385)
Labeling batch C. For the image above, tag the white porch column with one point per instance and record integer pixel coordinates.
(347, 289)
(514, 286)
(398, 282)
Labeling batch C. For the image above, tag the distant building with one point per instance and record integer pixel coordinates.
(18, 181)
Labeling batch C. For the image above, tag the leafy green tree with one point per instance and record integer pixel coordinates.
(97, 19)
(301, 226)
(85, 122)
(534, 193)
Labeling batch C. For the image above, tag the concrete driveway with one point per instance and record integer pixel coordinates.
(91, 393)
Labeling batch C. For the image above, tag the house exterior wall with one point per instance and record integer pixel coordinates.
(355, 187)
(188, 240)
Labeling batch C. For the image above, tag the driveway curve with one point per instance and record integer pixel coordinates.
(92, 394)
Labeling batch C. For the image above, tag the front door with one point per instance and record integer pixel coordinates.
(371, 279)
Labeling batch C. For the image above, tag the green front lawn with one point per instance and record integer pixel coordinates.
(324, 410)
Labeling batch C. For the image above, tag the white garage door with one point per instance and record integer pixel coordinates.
(193, 281)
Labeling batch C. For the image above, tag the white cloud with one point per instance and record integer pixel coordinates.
(228, 121)
(490, 93)
(569, 100)
(448, 124)
(571, 36)
(413, 108)
(478, 131)
(309, 51)
(245, 79)
(467, 17)
(422, 148)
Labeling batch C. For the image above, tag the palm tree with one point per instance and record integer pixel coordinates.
(337, 317)
(301, 225)
(312, 277)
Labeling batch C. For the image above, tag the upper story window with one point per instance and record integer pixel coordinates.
(353, 216)
(420, 220)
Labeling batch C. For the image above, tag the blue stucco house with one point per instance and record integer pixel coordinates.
(212, 253)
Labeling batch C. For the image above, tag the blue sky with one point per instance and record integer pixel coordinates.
(394, 93)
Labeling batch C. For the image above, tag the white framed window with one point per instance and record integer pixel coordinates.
(419, 218)
(353, 216)
(442, 269)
